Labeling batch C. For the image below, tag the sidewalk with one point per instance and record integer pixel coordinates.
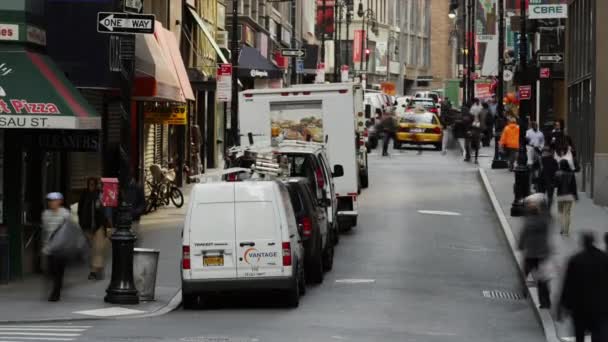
(586, 217)
(83, 299)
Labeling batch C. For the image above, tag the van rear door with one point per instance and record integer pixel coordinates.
(212, 244)
(258, 231)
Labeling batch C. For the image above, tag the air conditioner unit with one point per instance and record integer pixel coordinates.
(221, 38)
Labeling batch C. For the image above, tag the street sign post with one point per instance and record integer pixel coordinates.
(125, 23)
(550, 57)
(300, 53)
(224, 83)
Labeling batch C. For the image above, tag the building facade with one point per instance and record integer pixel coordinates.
(587, 77)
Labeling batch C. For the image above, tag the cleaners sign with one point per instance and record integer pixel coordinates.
(558, 11)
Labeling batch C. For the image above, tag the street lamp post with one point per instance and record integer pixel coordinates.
(234, 59)
(498, 162)
(122, 287)
(465, 52)
(349, 17)
(522, 177)
(471, 50)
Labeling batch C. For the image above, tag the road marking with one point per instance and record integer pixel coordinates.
(441, 213)
(21, 333)
(355, 281)
(38, 339)
(48, 326)
(107, 312)
(41, 329)
(37, 334)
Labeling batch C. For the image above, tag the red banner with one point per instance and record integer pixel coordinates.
(358, 45)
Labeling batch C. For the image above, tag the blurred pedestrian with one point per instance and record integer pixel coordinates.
(549, 168)
(564, 152)
(92, 220)
(476, 108)
(388, 128)
(584, 293)
(567, 194)
(534, 243)
(485, 120)
(476, 133)
(52, 219)
(467, 125)
(557, 135)
(509, 141)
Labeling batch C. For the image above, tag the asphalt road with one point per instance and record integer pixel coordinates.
(401, 275)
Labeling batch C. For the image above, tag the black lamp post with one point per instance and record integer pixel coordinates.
(498, 162)
(367, 15)
(522, 177)
(122, 287)
(471, 50)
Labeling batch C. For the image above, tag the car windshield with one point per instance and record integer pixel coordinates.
(425, 103)
(425, 118)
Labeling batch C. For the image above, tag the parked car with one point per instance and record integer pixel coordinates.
(427, 103)
(312, 218)
(241, 236)
(429, 94)
(419, 129)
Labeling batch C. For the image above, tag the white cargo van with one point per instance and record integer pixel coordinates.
(318, 113)
(241, 236)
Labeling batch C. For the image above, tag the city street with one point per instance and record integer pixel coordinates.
(400, 275)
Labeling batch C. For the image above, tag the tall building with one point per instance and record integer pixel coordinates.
(587, 78)
(444, 49)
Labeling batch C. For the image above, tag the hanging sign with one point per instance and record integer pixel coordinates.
(165, 115)
(224, 83)
(545, 72)
(556, 11)
(525, 92)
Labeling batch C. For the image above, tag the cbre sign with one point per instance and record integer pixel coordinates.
(557, 11)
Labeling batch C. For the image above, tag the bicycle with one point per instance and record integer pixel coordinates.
(163, 189)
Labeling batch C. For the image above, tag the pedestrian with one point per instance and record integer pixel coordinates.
(388, 127)
(567, 194)
(485, 119)
(476, 108)
(476, 132)
(92, 219)
(52, 219)
(549, 168)
(564, 152)
(509, 141)
(467, 124)
(137, 199)
(534, 243)
(557, 135)
(584, 294)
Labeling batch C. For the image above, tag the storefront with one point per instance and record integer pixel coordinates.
(41, 127)
(257, 72)
(162, 91)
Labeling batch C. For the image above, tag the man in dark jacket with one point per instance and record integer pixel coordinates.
(467, 124)
(584, 292)
(388, 127)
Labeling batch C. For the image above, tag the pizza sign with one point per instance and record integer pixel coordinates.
(16, 106)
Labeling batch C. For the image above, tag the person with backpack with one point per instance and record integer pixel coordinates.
(567, 194)
(92, 220)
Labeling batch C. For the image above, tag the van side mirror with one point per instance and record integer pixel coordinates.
(368, 111)
(338, 171)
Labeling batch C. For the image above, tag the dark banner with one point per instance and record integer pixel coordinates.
(63, 140)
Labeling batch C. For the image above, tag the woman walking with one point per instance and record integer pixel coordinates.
(567, 193)
(91, 219)
(53, 218)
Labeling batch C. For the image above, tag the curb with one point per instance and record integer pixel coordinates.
(173, 304)
(543, 316)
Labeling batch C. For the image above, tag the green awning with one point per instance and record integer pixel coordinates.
(34, 93)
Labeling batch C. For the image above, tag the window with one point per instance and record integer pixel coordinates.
(426, 118)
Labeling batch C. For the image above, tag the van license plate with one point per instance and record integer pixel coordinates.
(213, 261)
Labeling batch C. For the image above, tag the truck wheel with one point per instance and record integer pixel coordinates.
(302, 283)
(335, 235)
(364, 179)
(315, 269)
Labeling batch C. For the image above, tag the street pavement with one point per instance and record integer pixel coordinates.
(427, 246)
(25, 301)
(586, 216)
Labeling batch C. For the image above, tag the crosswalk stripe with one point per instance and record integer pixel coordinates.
(48, 326)
(37, 339)
(41, 329)
(18, 333)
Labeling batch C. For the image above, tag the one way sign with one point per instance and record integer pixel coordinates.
(126, 23)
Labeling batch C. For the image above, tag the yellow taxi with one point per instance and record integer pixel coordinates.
(419, 128)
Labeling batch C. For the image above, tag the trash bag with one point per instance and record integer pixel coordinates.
(68, 242)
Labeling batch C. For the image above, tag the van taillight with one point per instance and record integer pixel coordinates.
(320, 180)
(366, 133)
(232, 177)
(286, 254)
(306, 226)
(186, 257)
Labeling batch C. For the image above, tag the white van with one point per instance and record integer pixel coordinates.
(241, 236)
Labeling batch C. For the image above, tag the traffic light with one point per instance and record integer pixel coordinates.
(367, 53)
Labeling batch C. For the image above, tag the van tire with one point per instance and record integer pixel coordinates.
(335, 234)
(292, 296)
(302, 284)
(189, 301)
(328, 258)
(316, 269)
(364, 179)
